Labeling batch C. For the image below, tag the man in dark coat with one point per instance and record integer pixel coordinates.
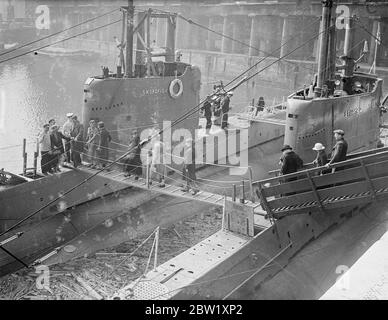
(339, 150)
(57, 149)
(290, 162)
(132, 162)
(207, 110)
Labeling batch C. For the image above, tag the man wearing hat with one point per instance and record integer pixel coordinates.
(66, 130)
(290, 162)
(340, 149)
(321, 158)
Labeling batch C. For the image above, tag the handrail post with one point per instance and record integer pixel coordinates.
(156, 247)
(24, 157)
(365, 170)
(234, 193)
(148, 172)
(251, 184)
(242, 199)
(36, 153)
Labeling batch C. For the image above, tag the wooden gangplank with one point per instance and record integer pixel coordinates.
(357, 181)
(168, 189)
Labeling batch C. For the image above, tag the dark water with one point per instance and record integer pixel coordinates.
(34, 89)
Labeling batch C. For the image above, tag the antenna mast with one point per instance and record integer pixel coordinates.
(129, 46)
(324, 46)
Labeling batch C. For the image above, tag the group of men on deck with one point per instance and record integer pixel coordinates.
(290, 162)
(68, 144)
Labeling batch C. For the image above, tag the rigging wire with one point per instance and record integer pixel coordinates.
(271, 54)
(58, 32)
(59, 41)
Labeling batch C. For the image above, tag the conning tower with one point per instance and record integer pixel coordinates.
(143, 92)
(338, 98)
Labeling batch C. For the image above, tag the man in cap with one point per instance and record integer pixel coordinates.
(290, 162)
(66, 130)
(339, 150)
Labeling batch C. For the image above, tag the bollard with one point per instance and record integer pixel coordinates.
(242, 199)
(24, 158)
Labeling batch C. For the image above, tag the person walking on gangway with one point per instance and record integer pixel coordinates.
(340, 149)
(45, 148)
(290, 162)
(133, 161)
(157, 165)
(321, 158)
(188, 170)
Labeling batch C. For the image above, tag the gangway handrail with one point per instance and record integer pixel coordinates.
(317, 169)
(349, 157)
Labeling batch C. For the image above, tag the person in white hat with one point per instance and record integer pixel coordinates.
(321, 158)
(66, 130)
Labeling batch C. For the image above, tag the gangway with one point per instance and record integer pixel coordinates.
(361, 179)
(168, 189)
